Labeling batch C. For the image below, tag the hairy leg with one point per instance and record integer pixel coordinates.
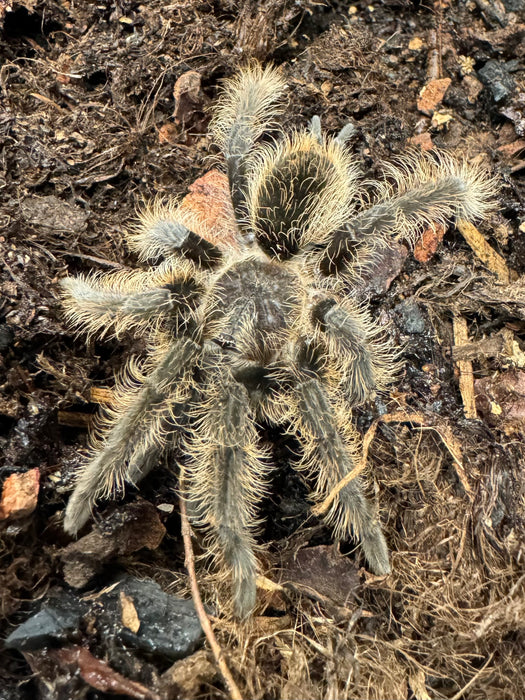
(248, 104)
(300, 191)
(363, 365)
(120, 301)
(225, 479)
(327, 439)
(165, 229)
(135, 431)
(422, 191)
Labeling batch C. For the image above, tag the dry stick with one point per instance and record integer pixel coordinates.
(484, 251)
(444, 432)
(466, 375)
(189, 562)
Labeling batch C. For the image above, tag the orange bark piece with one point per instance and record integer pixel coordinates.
(20, 495)
(424, 141)
(429, 242)
(168, 133)
(210, 205)
(512, 149)
(431, 95)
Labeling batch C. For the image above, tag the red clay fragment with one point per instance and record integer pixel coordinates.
(424, 141)
(210, 204)
(20, 495)
(431, 95)
(429, 242)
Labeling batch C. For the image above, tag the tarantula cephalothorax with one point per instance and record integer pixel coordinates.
(262, 332)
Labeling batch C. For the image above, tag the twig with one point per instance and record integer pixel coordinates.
(466, 376)
(199, 607)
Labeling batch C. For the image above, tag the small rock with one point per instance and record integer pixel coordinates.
(428, 242)
(187, 95)
(55, 622)
(388, 264)
(517, 117)
(412, 319)
(322, 570)
(472, 86)
(424, 141)
(501, 401)
(432, 94)
(209, 204)
(495, 76)
(54, 213)
(169, 626)
(128, 529)
(165, 625)
(20, 495)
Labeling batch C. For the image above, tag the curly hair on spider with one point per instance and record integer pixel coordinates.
(262, 331)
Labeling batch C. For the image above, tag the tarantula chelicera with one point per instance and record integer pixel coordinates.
(267, 332)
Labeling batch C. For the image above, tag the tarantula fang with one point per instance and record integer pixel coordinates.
(266, 333)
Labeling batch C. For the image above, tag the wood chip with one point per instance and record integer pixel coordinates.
(74, 419)
(101, 394)
(129, 616)
(466, 376)
(483, 250)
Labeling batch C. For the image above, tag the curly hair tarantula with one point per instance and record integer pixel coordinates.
(267, 332)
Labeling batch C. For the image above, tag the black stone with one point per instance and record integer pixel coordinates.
(496, 77)
(412, 319)
(169, 626)
(52, 625)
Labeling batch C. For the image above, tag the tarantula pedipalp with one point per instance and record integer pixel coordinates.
(267, 332)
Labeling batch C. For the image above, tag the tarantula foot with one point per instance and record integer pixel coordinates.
(375, 550)
(78, 512)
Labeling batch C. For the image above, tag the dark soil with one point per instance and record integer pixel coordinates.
(88, 130)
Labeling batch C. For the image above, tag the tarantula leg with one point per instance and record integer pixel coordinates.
(315, 128)
(226, 480)
(329, 455)
(247, 107)
(136, 431)
(165, 229)
(347, 333)
(121, 301)
(344, 135)
(427, 191)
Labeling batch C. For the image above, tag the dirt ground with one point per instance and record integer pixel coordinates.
(90, 128)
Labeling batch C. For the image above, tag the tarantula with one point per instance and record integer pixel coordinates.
(264, 333)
